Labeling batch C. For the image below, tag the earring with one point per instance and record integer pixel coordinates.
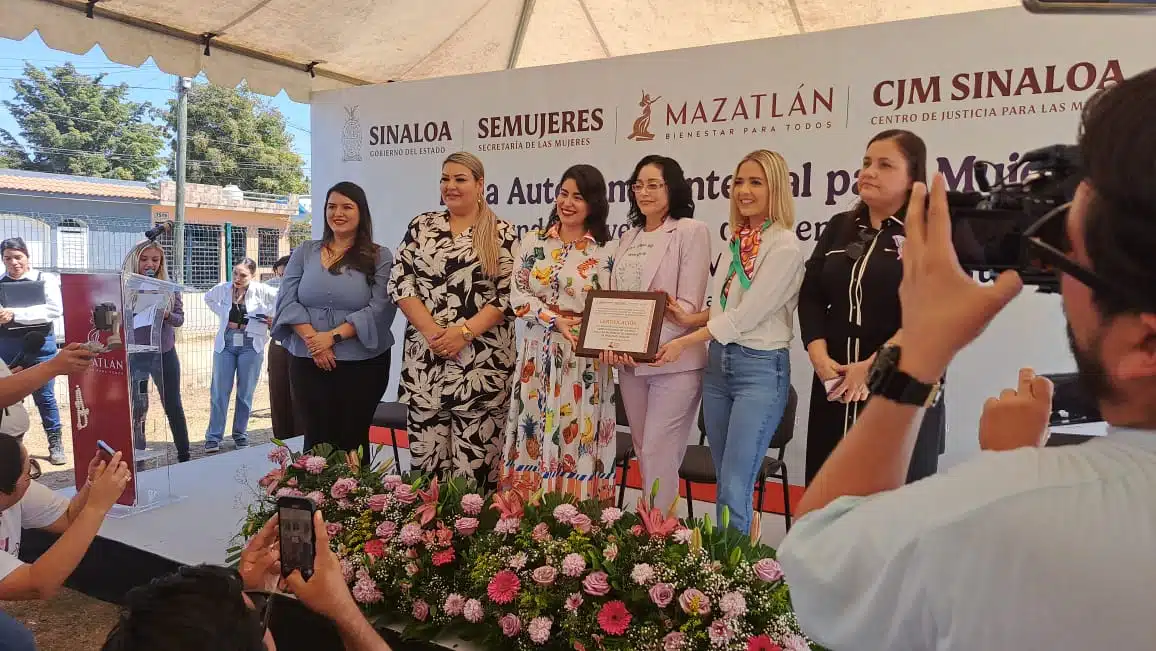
(479, 202)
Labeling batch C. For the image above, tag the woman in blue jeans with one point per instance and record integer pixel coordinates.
(245, 308)
(32, 320)
(750, 325)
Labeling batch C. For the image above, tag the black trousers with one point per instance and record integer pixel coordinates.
(286, 422)
(165, 370)
(828, 422)
(337, 406)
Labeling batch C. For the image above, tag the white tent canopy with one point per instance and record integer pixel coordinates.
(302, 46)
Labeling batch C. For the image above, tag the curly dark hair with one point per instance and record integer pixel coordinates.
(678, 191)
(592, 186)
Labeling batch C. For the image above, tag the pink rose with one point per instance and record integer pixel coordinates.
(768, 569)
(510, 625)
(386, 529)
(544, 575)
(342, 487)
(420, 610)
(541, 533)
(472, 504)
(694, 602)
(378, 502)
(412, 569)
(405, 494)
(636, 530)
(581, 522)
(317, 497)
(466, 526)
(661, 594)
(597, 584)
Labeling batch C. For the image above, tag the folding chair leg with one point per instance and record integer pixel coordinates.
(786, 500)
(396, 454)
(622, 484)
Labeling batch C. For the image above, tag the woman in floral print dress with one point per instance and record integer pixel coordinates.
(560, 433)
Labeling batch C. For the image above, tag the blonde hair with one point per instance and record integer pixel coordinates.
(132, 260)
(781, 199)
(132, 265)
(486, 243)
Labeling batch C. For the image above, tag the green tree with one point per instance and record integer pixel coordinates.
(74, 124)
(237, 138)
(12, 155)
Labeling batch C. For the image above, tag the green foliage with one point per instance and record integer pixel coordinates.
(75, 124)
(238, 138)
(299, 232)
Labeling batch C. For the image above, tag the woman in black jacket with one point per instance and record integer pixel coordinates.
(849, 301)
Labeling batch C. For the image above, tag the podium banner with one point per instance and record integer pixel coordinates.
(99, 397)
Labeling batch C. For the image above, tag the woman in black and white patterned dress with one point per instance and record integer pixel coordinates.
(451, 279)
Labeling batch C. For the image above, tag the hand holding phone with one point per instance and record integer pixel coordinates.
(105, 450)
(298, 539)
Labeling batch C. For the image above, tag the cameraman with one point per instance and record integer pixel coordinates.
(1029, 547)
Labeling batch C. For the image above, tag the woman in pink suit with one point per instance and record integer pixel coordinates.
(665, 251)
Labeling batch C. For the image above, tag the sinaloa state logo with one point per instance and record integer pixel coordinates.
(640, 130)
(351, 136)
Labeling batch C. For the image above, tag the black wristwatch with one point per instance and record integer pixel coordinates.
(886, 380)
(337, 338)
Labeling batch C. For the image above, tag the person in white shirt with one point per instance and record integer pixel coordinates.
(1023, 547)
(27, 504)
(18, 323)
(750, 325)
(245, 308)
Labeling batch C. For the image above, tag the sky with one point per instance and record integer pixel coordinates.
(147, 83)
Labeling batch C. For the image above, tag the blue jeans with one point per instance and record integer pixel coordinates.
(243, 363)
(744, 394)
(14, 636)
(165, 370)
(45, 396)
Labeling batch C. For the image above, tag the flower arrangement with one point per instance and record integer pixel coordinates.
(539, 571)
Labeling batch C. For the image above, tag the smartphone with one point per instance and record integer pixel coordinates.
(829, 385)
(298, 542)
(106, 450)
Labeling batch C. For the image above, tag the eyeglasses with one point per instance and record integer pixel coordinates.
(1046, 246)
(34, 469)
(856, 249)
(263, 604)
(652, 187)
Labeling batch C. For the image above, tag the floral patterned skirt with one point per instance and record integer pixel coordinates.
(560, 434)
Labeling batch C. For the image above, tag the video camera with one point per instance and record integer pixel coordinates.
(987, 226)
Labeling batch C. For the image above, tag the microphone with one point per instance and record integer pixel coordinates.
(156, 231)
(33, 342)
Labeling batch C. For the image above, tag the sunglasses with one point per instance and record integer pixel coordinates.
(856, 249)
(1046, 245)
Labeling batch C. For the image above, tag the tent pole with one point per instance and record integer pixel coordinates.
(520, 33)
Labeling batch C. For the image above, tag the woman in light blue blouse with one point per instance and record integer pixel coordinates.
(334, 318)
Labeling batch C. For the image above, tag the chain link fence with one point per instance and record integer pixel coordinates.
(64, 243)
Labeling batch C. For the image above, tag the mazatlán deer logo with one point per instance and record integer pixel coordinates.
(640, 131)
(351, 136)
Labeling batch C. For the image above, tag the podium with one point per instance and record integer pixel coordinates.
(121, 315)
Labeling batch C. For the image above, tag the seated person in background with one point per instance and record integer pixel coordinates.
(26, 504)
(208, 608)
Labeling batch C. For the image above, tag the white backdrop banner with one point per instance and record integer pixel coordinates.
(988, 85)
